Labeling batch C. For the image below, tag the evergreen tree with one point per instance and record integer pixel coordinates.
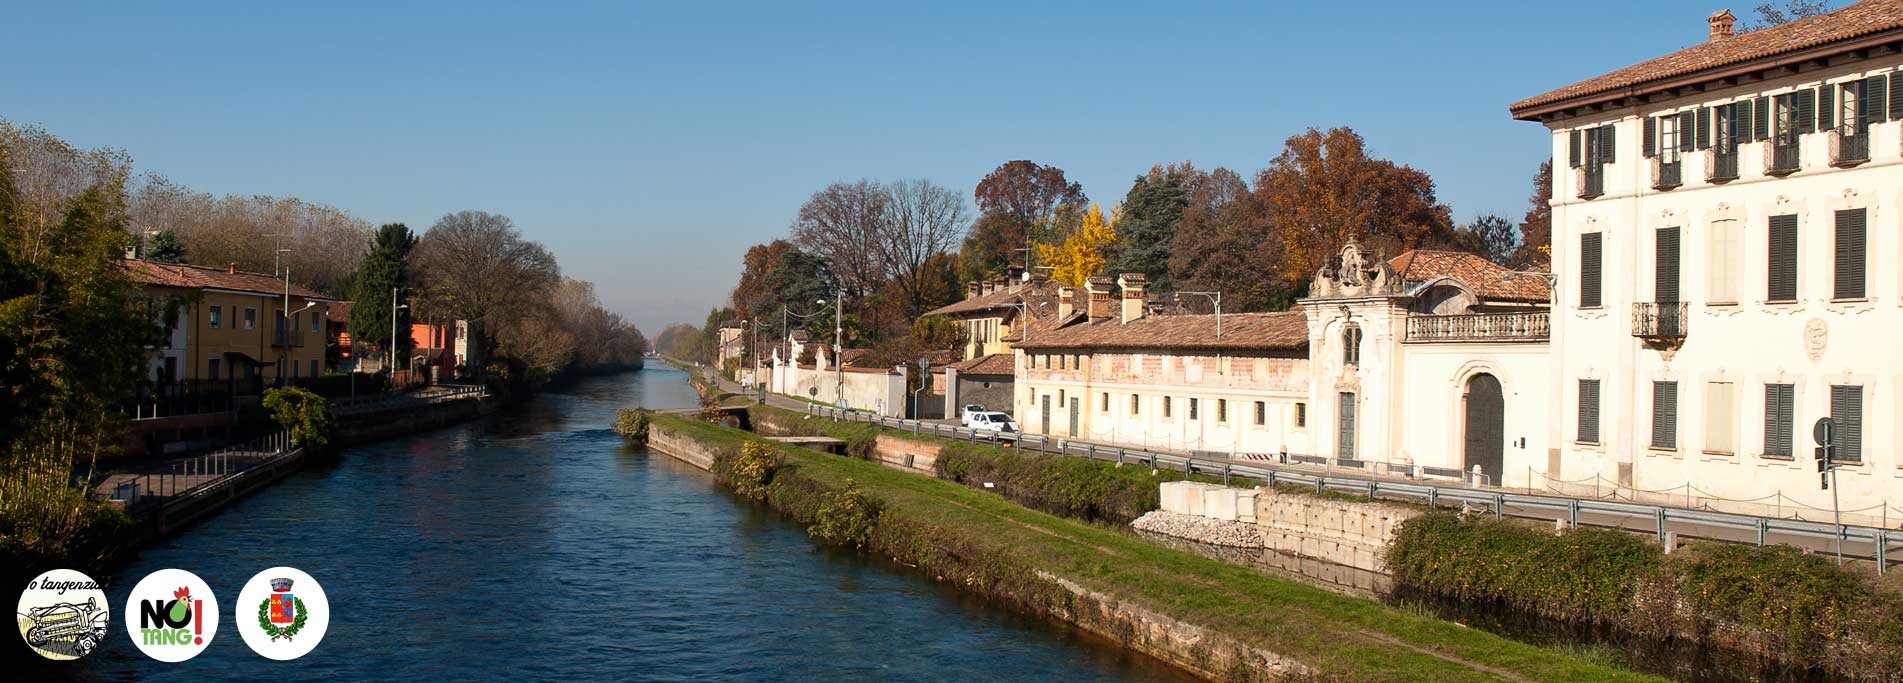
(1146, 226)
(384, 269)
(165, 248)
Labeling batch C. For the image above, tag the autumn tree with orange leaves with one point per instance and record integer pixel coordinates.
(1325, 189)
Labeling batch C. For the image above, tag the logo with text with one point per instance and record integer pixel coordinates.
(63, 614)
(292, 613)
(171, 615)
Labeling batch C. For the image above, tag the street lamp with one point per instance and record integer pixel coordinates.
(1212, 296)
(1025, 307)
(839, 347)
(284, 324)
(394, 307)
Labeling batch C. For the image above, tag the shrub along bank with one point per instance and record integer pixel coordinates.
(1777, 603)
(985, 543)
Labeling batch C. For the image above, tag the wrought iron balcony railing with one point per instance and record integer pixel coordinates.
(1849, 150)
(1663, 320)
(1667, 174)
(1590, 180)
(1781, 157)
(1509, 327)
(1721, 165)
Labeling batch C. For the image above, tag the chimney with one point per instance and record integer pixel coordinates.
(1720, 22)
(1013, 276)
(1132, 284)
(998, 284)
(1099, 289)
(1066, 301)
(973, 289)
(232, 268)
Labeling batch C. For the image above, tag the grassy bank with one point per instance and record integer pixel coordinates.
(1776, 603)
(989, 544)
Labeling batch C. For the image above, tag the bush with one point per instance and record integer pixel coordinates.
(632, 424)
(1584, 575)
(846, 517)
(1058, 484)
(305, 414)
(753, 471)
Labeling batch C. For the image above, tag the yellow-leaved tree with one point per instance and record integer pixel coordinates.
(1081, 254)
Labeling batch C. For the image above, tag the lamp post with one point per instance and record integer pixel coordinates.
(839, 347)
(284, 325)
(1025, 307)
(1215, 297)
(393, 309)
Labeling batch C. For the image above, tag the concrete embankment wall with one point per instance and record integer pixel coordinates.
(360, 429)
(1344, 532)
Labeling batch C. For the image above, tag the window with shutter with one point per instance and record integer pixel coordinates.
(1848, 276)
(1193, 405)
(1761, 125)
(1168, 410)
(1896, 95)
(1345, 435)
(1665, 281)
(1825, 121)
(1846, 416)
(1741, 122)
(1806, 101)
(1782, 269)
(1572, 148)
(1779, 402)
(1261, 413)
(1685, 126)
(1608, 144)
(1648, 138)
(1589, 411)
(1721, 262)
(1704, 127)
(1589, 245)
(1665, 415)
(1720, 417)
(1874, 99)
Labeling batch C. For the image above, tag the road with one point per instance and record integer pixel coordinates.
(1740, 528)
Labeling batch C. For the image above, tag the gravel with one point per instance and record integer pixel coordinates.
(1201, 529)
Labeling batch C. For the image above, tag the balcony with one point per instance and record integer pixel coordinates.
(1781, 157)
(1480, 327)
(294, 339)
(1721, 165)
(1590, 180)
(1849, 150)
(1667, 174)
(1665, 320)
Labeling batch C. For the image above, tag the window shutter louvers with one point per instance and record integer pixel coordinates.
(1782, 269)
(1761, 126)
(1741, 121)
(1589, 410)
(1649, 138)
(1896, 95)
(1850, 254)
(1665, 414)
(1874, 99)
(1824, 111)
(1665, 284)
(1606, 144)
(1589, 246)
(1806, 111)
(1846, 414)
(1704, 127)
(1778, 418)
(1572, 149)
(1685, 131)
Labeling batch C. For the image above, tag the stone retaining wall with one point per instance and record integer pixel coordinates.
(1345, 532)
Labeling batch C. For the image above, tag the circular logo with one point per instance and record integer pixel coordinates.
(282, 613)
(171, 615)
(63, 614)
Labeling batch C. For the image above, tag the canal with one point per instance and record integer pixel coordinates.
(536, 546)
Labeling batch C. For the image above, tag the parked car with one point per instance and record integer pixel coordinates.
(971, 409)
(991, 421)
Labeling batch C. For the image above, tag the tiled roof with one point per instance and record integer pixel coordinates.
(1488, 279)
(197, 277)
(1859, 20)
(1044, 324)
(338, 312)
(1037, 292)
(994, 364)
(1285, 331)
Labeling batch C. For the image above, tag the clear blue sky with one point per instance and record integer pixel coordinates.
(648, 144)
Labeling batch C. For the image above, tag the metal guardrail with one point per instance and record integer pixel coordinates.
(376, 404)
(1881, 542)
(191, 477)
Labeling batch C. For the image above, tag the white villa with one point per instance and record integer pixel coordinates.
(1726, 229)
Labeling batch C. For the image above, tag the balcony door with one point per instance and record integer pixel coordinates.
(1485, 426)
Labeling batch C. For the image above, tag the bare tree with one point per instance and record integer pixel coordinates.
(475, 266)
(323, 244)
(922, 220)
(844, 223)
(48, 172)
(1769, 14)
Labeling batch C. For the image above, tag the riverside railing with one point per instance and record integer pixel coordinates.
(185, 479)
(437, 394)
(1860, 542)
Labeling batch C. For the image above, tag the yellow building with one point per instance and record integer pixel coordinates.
(993, 313)
(231, 325)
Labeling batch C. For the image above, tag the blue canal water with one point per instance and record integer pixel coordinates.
(535, 546)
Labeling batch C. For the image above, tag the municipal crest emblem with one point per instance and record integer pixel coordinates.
(282, 614)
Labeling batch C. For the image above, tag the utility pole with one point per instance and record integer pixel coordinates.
(839, 347)
(393, 309)
(1212, 296)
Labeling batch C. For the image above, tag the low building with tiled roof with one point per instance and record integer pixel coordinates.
(1724, 243)
(995, 311)
(230, 330)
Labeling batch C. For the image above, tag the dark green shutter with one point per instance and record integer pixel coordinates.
(1665, 414)
(1896, 95)
(1345, 427)
(1572, 148)
(1761, 126)
(1589, 410)
(1825, 114)
(1782, 269)
(1704, 127)
(1589, 244)
(1741, 121)
(1846, 416)
(1806, 111)
(1685, 132)
(1874, 99)
(1778, 418)
(1606, 144)
(1665, 280)
(1850, 254)
(1649, 140)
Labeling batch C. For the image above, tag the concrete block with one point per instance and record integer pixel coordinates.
(1219, 503)
(1174, 497)
(1245, 505)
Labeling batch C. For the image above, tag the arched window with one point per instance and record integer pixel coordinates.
(1351, 344)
